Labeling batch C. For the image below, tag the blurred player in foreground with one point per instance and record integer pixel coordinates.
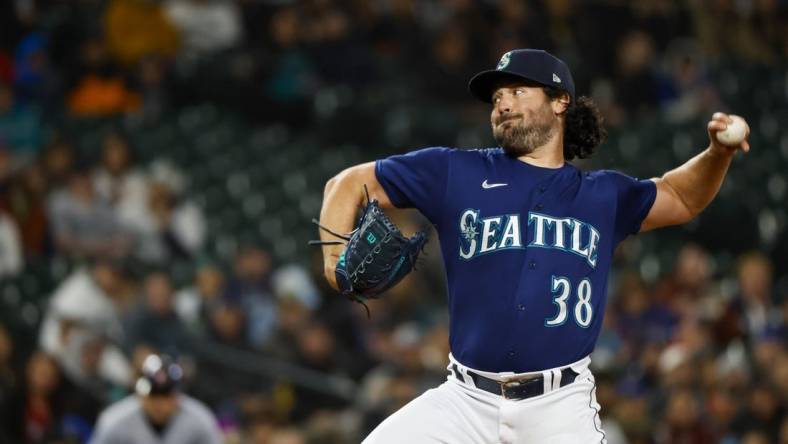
(158, 413)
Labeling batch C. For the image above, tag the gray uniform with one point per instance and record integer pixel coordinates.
(124, 423)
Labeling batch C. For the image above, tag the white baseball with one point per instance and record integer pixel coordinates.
(735, 133)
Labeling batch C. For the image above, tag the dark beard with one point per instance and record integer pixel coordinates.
(521, 140)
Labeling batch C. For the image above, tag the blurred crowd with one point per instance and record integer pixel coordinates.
(696, 355)
(99, 57)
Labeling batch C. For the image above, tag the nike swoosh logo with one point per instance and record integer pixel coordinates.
(487, 186)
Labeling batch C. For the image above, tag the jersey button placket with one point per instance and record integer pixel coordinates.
(539, 206)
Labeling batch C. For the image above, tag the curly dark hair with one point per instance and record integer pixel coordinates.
(583, 127)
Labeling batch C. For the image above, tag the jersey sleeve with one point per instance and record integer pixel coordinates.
(634, 200)
(416, 180)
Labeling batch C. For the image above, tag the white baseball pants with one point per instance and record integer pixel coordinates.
(456, 412)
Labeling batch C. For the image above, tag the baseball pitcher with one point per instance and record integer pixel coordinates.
(527, 240)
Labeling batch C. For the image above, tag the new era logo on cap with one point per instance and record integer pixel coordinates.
(556, 79)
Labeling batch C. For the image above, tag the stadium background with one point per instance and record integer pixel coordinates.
(164, 158)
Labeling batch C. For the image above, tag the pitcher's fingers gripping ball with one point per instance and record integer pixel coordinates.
(730, 130)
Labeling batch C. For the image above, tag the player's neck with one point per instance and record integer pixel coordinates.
(549, 155)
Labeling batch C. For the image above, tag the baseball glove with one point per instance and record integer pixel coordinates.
(376, 255)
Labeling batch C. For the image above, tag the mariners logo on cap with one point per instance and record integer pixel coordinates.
(504, 60)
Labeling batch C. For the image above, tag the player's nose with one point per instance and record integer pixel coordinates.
(503, 104)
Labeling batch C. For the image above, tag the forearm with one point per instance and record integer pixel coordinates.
(342, 197)
(697, 181)
(340, 205)
(684, 192)
(344, 194)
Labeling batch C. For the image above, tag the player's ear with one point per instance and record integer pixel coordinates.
(560, 104)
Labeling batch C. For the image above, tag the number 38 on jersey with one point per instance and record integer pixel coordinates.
(583, 311)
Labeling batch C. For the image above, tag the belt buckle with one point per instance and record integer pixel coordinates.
(507, 385)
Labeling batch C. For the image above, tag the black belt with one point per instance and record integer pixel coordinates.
(522, 389)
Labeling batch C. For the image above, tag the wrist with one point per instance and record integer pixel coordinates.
(331, 253)
(329, 272)
(721, 151)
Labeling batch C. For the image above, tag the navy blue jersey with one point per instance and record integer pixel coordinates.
(527, 249)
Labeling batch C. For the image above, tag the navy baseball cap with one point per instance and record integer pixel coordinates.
(160, 375)
(535, 65)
